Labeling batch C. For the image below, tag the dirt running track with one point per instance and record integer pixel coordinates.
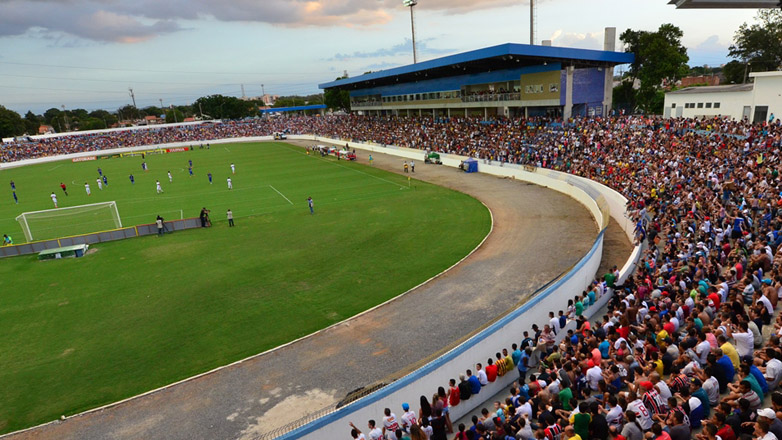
(538, 234)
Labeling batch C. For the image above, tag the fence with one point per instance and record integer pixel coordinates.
(97, 237)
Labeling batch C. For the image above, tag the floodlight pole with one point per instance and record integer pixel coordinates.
(411, 4)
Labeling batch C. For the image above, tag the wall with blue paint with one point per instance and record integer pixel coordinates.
(600, 200)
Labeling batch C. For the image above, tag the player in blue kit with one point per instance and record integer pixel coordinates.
(209, 175)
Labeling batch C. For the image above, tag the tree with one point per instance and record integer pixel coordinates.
(734, 72)
(625, 97)
(225, 107)
(11, 124)
(337, 99)
(660, 59)
(31, 123)
(758, 45)
(174, 115)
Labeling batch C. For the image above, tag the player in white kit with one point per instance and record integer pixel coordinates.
(170, 177)
(100, 184)
(54, 199)
(159, 188)
(230, 183)
(233, 169)
(87, 188)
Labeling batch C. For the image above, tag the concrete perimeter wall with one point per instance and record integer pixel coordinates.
(601, 202)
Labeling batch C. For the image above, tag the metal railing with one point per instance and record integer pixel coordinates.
(492, 97)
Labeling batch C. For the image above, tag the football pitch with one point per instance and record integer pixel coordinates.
(141, 313)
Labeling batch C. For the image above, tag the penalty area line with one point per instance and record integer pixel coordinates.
(283, 195)
(52, 169)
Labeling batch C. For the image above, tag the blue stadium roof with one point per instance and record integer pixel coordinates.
(293, 109)
(504, 56)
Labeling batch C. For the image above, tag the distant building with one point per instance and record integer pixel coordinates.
(153, 120)
(45, 129)
(756, 102)
(703, 80)
(189, 120)
(269, 100)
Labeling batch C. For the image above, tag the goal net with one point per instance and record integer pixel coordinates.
(72, 220)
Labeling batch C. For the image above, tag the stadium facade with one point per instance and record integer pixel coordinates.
(756, 101)
(504, 80)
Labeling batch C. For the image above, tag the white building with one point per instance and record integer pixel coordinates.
(755, 101)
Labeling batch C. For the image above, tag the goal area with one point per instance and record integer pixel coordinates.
(68, 221)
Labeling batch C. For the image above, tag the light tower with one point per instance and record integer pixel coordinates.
(411, 4)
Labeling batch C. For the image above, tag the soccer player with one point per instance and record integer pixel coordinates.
(190, 162)
(170, 177)
(100, 184)
(105, 180)
(87, 188)
(190, 170)
(13, 186)
(209, 175)
(132, 180)
(16, 200)
(159, 188)
(54, 199)
(144, 166)
(230, 183)
(100, 171)
(230, 216)
(62, 185)
(310, 204)
(7, 241)
(233, 168)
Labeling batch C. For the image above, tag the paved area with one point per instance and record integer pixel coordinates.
(537, 235)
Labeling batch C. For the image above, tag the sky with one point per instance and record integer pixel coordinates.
(88, 53)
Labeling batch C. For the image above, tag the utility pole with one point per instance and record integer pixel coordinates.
(243, 95)
(161, 106)
(65, 115)
(531, 22)
(133, 97)
(411, 4)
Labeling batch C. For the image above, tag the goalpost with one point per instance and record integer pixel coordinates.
(72, 220)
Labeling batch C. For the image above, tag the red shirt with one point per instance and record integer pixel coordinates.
(669, 327)
(491, 372)
(726, 433)
(716, 298)
(453, 399)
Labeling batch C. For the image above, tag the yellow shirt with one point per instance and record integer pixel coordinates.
(730, 351)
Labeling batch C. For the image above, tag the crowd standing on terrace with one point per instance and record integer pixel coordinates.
(689, 346)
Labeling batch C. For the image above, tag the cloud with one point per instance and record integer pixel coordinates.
(589, 40)
(138, 20)
(73, 18)
(405, 47)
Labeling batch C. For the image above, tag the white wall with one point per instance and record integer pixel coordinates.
(768, 92)
(731, 103)
(598, 199)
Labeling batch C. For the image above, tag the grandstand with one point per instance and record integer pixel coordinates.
(505, 80)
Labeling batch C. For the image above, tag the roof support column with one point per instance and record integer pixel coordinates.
(609, 44)
(568, 110)
(485, 113)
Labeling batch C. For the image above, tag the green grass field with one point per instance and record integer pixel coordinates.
(144, 312)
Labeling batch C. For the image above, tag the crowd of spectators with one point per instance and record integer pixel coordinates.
(689, 346)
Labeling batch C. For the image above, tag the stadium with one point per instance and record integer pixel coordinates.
(482, 246)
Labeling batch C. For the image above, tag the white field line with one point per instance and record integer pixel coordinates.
(54, 168)
(226, 149)
(283, 195)
(255, 356)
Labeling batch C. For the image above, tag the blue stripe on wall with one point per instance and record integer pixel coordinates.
(441, 361)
